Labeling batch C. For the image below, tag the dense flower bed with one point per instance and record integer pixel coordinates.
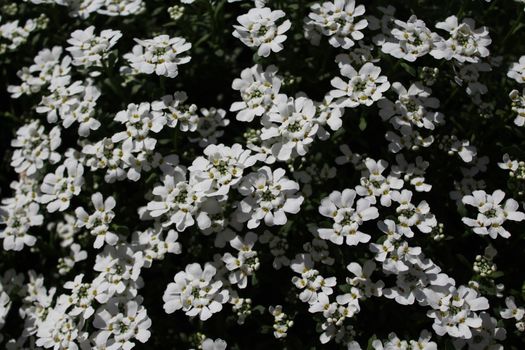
(267, 174)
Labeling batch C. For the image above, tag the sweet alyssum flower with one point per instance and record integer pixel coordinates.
(311, 282)
(119, 323)
(375, 184)
(33, 147)
(139, 121)
(258, 28)
(180, 203)
(290, 128)
(98, 222)
(245, 263)
(88, 49)
(517, 71)
(176, 112)
(454, 312)
(196, 292)
(159, 55)
(221, 168)
(59, 187)
(410, 40)
(465, 44)
(364, 87)
(84, 294)
(339, 206)
(18, 214)
(413, 107)
(518, 106)
(492, 214)
(337, 20)
(268, 195)
(409, 215)
(259, 88)
(511, 310)
(210, 126)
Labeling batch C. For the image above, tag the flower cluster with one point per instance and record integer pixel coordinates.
(290, 174)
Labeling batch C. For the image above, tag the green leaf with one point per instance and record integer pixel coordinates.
(370, 341)
(409, 69)
(362, 123)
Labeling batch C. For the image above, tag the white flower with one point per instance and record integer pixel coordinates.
(512, 311)
(313, 285)
(465, 44)
(328, 115)
(83, 295)
(120, 266)
(410, 40)
(412, 107)
(454, 311)
(121, 323)
(492, 215)
(508, 163)
(58, 330)
(424, 343)
(362, 279)
(33, 147)
(61, 101)
(83, 112)
(409, 215)
(221, 169)
(281, 322)
(339, 206)
(18, 215)
(363, 87)
(105, 154)
(196, 292)
(210, 126)
(66, 263)
(175, 110)
(518, 106)
(517, 71)
(87, 49)
(120, 7)
(156, 244)
(259, 89)
(290, 128)
(337, 20)
(47, 68)
(268, 196)
(258, 28)
(98, 222)
(180, 203)
(160, 55)
(139, 121)
(210, 344)
(15, 34)
(375, 184)
(245, 263)
(58, 188)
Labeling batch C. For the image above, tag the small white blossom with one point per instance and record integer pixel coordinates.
(196, 292)
(364, 87)
(159, 55)
(60, 187)
(268, 196)
(245, 263)
(338, 20)
(98, 222)
(339, 206)
(258, 28)
(492, 214)
(88, 49)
